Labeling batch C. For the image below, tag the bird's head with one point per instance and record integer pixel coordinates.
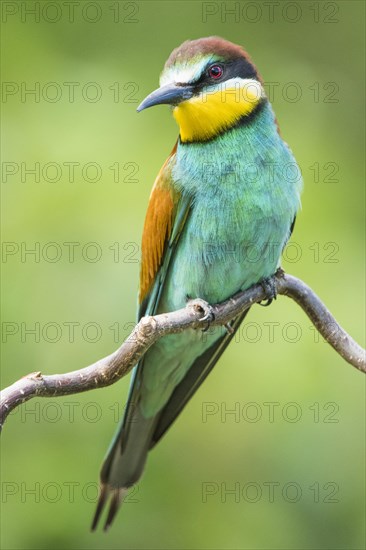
(211, 84)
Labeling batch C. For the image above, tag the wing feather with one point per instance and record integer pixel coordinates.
(158, 226)
(196, 375)
(165, 218)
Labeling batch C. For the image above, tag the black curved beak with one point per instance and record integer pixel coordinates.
(171, 94)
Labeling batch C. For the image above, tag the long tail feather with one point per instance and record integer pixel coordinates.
(117, 496)
(101, 503)
(123, 465)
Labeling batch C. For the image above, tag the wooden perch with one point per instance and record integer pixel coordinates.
(113, 367)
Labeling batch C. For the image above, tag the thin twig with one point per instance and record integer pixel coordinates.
(113, 367)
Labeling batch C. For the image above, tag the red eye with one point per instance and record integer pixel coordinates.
(215, 71)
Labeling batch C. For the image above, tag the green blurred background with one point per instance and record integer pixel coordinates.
(311, 451)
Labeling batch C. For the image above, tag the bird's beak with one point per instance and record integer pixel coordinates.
(171, 94)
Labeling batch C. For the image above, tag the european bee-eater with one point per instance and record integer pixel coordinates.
(220, 213)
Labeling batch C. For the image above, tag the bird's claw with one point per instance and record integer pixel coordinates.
(204, 308)
(208, 318)
(270, 289)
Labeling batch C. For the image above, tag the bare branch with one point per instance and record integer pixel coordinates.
(113, 367)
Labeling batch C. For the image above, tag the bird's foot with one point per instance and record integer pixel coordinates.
(270, 289)
(204, 308)
(229, 327)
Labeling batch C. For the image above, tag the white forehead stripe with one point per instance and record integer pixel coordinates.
(185, 72)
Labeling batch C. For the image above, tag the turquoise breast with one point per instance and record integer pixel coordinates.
(245, 186)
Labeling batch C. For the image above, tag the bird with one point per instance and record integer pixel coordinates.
(220, 213)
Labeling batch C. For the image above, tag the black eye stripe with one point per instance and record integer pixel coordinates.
(239, 67)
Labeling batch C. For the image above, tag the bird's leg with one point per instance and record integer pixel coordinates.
(269, 287)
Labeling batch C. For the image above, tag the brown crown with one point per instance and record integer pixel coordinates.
(205, 46)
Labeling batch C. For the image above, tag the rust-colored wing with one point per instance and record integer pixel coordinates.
(158, 226)
(165, 217)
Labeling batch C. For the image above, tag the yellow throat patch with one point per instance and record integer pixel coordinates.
(214, 111)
